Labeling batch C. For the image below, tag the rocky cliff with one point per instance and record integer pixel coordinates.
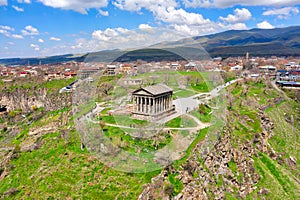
(30, 99)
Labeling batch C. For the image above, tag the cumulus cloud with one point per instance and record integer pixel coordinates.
(24, 1)
(17, 36)
(145, 26)
(103, 13)
(167, 12)
(40, 40)
(237, 26)
(8, 28)
(265, 25)
(35, 47)
(18, 8)
(30, 30)
(81, 6)
(179, 16)
(163, 10)
(240, 15)
(7, 31)
(121, 38)
(55, 39)
(108, 33)
(282, 13)
(137, 5)
(3, 2)
(226, 3)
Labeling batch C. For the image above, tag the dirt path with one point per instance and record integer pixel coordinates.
(279, 90)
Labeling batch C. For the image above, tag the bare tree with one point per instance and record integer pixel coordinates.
(188, 79)
(106, 87)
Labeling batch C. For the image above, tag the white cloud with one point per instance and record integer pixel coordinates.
(55, 39)
(24, 1)
(30, 30)
(145, 26)
(40, 40)
(237, 26)
(178, 16)
(3, 2)
(265, 25)
(17, 36)
(166, 11)
(8, 28)
(7, 31)
(35, 47)
(185, 29)
(282, 13)
(18, 8)
(137, 5)
(108, 33)
(227, 3)
(77, 5)
(103, 13)
(240, 15)
(120, 38)
(4, 32)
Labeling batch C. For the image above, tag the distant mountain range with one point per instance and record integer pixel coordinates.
(258, 42)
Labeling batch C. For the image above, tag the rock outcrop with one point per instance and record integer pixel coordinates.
(27, 100)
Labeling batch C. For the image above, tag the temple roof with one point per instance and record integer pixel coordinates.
(154, 89)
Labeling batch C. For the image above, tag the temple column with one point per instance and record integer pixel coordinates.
(162, 103)
(135, 103)
(143, 104)
(156, 105)
(152, 105)
(140, 104)
(148, 105)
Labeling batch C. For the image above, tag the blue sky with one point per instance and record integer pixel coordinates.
(31, 28)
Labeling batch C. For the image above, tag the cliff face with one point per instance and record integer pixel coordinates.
(253, 150)
(27, 100)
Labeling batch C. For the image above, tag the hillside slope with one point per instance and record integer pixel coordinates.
(256, 156)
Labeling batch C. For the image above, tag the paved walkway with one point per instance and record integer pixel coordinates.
(182, 107)
(185, 105)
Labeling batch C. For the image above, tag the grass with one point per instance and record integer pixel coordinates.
(177, 184)
(201, 136)
(60, 170)
(184, 93)
(123, 120)
(275, 179)
(181, 122)
(52, 86)
(126, 142)
(286, 134)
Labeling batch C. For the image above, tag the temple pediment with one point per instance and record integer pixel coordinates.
(153, 90)
(143, 92)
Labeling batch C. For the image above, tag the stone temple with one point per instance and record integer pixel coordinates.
(152, 102)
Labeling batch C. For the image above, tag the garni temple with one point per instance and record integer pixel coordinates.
(152, 102)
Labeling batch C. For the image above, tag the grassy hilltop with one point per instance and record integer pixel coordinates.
(255, 155)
